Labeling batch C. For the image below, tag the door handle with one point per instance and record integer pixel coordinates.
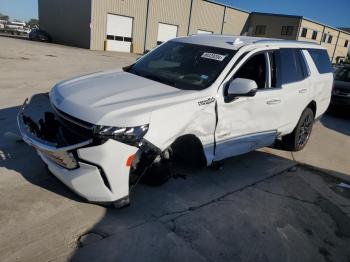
(273, 101)
(304, 90)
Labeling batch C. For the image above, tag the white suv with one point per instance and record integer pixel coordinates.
(216, 96)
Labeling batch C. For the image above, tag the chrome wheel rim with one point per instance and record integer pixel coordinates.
(305, 130)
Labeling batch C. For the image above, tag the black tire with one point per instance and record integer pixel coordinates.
(298, 139)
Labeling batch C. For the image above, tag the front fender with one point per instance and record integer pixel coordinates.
(193, 117)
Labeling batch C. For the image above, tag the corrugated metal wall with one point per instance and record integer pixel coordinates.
(235, 22)
(206, 16)
(67, 21)
(169, 12)
(132, 8)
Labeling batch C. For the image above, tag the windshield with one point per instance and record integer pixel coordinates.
(182, 65)
(343, 74)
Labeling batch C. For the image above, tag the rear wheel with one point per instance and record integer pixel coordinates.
(297, 140)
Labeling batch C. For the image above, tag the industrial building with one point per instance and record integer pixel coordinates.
(140, 25)
(300, 28)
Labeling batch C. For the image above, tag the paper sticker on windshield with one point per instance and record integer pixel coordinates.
(213, 56)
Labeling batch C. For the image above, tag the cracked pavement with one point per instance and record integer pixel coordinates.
(268, 205)
(280, 218)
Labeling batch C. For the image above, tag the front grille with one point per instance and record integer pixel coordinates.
(77, 126)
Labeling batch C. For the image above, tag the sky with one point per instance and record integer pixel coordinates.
(332, 12)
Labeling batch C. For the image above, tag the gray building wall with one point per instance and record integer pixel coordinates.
(175, 12)
(235, 22)
(67, 21)
(206, 16)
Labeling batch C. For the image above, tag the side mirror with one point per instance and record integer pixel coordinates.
(242, 87)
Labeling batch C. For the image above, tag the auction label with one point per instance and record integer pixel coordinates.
(213, 56)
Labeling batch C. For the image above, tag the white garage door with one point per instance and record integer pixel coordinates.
(166, 32)
(119, 33)
(204, 32)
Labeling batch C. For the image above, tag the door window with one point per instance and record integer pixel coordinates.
(321, 60)
(292, 67)
(254, 69)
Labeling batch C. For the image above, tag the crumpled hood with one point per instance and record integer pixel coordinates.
(115, 98)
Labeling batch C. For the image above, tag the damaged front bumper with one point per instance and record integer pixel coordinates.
(96, 172)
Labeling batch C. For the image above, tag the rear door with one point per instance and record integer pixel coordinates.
(293, 77)
(119, 33)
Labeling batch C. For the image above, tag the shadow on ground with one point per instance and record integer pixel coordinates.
(16, 155)
(257, 207)
(337, 119)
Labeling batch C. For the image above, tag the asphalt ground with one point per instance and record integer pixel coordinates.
(267, 205)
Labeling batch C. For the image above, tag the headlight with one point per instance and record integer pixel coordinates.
(128, 135)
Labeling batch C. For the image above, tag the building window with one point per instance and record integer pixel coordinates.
(304, 32)
(346, 43)
(260, 29)
(287, 30)
(330, 39)
(324, 38)
(314, 35)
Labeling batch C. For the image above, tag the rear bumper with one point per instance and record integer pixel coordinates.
(97, 173)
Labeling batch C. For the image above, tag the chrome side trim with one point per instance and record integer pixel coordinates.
(247, 136)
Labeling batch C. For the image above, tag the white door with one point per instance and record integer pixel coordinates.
(247, 123)
(119, 33)
(166, 32)
(204, 32)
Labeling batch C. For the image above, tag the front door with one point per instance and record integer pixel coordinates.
(247, 123)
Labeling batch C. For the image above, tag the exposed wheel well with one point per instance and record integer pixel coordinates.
(312, 106)
(188, 149)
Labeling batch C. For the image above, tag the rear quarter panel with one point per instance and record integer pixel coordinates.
(320, 87)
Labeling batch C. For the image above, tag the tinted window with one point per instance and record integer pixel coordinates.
(254, 69)
(291, 66)
(260, 29)
(314, 35)
(321, 60)
(304, 32)
(330, 39)
(287, 30)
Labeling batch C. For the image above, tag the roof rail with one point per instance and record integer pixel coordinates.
(285, 41)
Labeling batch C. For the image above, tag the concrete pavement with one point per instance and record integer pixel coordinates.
(262, 206)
